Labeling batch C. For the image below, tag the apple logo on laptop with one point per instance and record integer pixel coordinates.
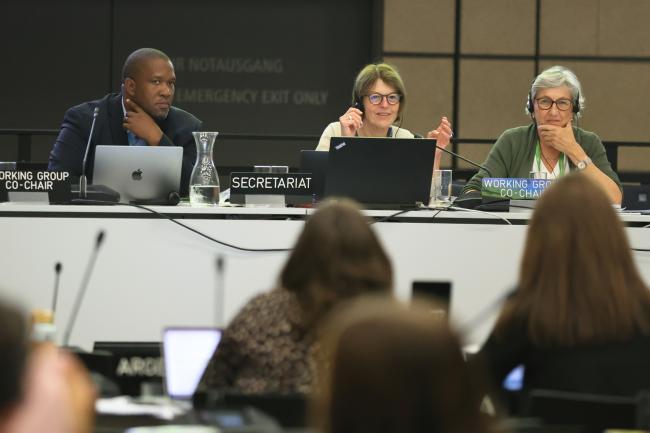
(137, 175)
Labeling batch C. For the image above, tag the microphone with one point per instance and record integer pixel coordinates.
(57, 276)
(82, 289)
(475, 164)
(472, 199)
(219, 291)
(95, 194)
(83, 181)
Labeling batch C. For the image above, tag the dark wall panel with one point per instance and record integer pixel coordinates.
(243, 66)
(252, 65)
(54, 55)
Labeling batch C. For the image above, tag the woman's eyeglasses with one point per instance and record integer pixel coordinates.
(547, 103)
(392, 98)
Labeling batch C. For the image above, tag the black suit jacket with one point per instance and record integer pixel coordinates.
(70, 145)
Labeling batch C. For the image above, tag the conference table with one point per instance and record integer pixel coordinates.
(152, 272)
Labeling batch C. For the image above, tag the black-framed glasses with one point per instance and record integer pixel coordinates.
(391, 98)
(562, 104)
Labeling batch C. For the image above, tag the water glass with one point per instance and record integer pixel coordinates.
(440, 195)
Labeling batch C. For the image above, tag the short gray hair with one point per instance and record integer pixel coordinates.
(557, 76)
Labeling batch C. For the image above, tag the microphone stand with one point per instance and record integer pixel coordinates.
(98, 193)
(469, 200)
(219, 292)
(82, 289)
(83, 181)
(475, 164)
(57, 277)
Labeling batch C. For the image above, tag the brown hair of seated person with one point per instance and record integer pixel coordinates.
(369, 75)
(389, 368)
(578, 282)
(337, 256)
(13, 356)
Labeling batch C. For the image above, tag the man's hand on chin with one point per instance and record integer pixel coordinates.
(558, 137)
(141, 124)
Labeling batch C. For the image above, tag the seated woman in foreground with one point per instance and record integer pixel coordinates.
(580, 319)
(269, 346)
(553, 143)
(378, 101)
(391, 368)
(42, 388)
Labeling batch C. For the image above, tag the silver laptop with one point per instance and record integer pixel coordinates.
(139, 173)
(186, 353)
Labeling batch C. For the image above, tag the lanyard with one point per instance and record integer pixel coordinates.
(538, 159)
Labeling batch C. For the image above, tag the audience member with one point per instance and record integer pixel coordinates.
(389, 368)
(580, 319)
(42, 389)
(269, 346)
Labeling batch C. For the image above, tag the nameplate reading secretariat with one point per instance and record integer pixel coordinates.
(271, 183)
(55, 183)
(513, 188)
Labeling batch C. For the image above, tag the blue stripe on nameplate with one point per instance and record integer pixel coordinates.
(513, 188)
(271, 183)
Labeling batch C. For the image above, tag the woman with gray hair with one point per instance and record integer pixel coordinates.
(552, 143)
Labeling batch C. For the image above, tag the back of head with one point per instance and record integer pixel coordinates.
(578, 281)
(337, 256)
(135, 59)
(390, 368)
(13, 354)
(380, 71)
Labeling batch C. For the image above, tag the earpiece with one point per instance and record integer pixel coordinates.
(358, 104)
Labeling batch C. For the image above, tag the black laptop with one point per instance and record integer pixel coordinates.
(381, 173)
(315, 162)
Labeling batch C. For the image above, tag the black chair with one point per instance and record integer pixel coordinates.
(636, 197)
(289, 410)
(594, 413)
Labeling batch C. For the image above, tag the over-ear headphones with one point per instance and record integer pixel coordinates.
(531, 108)
(529, 103)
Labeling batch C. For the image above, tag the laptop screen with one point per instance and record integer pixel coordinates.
(315, 162)
(186, 353)
(139, 173)
(383, 172)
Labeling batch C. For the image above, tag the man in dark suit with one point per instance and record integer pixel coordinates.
(141, 115)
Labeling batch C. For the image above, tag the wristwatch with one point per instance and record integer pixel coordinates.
(584, 163)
